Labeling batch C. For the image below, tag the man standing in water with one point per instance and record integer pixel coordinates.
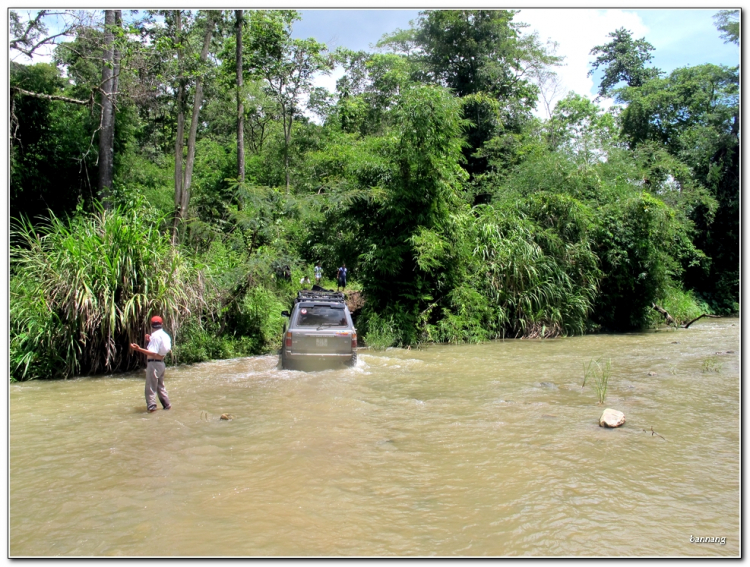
(159, 344)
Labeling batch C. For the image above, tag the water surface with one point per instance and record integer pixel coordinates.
(471, 450)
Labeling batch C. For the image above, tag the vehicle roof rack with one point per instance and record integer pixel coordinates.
(319, 295)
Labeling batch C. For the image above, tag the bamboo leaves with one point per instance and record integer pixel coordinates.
(84, 288)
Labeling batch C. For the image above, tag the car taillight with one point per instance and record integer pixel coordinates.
(289, 339)
(354, 340)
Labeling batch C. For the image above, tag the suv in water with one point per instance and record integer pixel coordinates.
(320, 332)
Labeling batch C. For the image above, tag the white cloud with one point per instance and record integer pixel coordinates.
(577, 31)
(329, 81)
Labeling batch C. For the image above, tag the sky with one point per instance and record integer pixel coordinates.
(681, 37)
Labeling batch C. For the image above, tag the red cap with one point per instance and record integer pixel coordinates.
(156, 320)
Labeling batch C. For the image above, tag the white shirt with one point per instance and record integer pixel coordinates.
(160, 342)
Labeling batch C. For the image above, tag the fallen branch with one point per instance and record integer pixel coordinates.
(670, 319)
(667, 316)
(704, 315)
(654, 433)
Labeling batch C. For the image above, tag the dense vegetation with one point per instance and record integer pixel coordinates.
(461, 216)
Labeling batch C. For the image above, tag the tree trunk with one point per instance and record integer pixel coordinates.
(107, 125)
(240, 106)
(287, 139)
(197, 102)
(116, 56)
(180, 134)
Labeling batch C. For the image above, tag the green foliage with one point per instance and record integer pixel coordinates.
(252, 326)
(694, 115)
(472, 51)
(636, 245)
(51, 154)
(728, 23)
(423, 154)
(99, 278)
(682, 305)
(467, 318)
(36, 335)
(461, 217)
(623, 59)
(205, 343)
(381, 332)
(536, 266)
(482, 56)
(581, 128)
(152, 178)
(259, 316)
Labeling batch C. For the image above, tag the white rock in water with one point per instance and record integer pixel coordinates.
(611, 418)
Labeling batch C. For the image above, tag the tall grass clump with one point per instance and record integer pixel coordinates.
(243, 300)
(83, 288)
(682, 305)
(599, 375)
(542, 279)
(382, 332)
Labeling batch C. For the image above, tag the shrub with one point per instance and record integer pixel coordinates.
(382, 332)
(84, 288)
(682, 305)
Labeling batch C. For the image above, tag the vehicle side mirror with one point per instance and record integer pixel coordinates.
(285, 313)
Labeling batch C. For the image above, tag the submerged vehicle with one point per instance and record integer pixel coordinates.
(320, 332)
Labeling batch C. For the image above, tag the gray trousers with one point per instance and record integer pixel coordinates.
(155, 385)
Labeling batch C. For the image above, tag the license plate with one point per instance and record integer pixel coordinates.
(321, 342)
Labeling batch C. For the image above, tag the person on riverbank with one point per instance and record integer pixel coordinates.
(341, 277)
(318, 273)
(159, 345)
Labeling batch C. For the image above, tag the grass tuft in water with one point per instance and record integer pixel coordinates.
(599, 374)
(711, 364)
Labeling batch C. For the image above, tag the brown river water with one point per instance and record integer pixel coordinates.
(470, 450)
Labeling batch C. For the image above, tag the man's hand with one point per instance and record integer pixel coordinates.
(134, 346)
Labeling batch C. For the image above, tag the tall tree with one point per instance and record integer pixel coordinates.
(287, 65)
(239, 21)
(480, 54)
(91, 64)
(416, 213)
(728, 23)
(110, 70)
(694, 114)
(622, 59)
(180, 131)
(182, 194)
(32, 34)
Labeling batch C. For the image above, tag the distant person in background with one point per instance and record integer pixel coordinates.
(341, 277)
(305, 281)
(159, 345)
(318, 273)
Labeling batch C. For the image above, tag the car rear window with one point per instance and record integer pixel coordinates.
(317, 315)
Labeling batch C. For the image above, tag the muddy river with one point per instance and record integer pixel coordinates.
(470, 450)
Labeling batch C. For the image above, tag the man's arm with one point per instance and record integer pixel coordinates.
(150, 354)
